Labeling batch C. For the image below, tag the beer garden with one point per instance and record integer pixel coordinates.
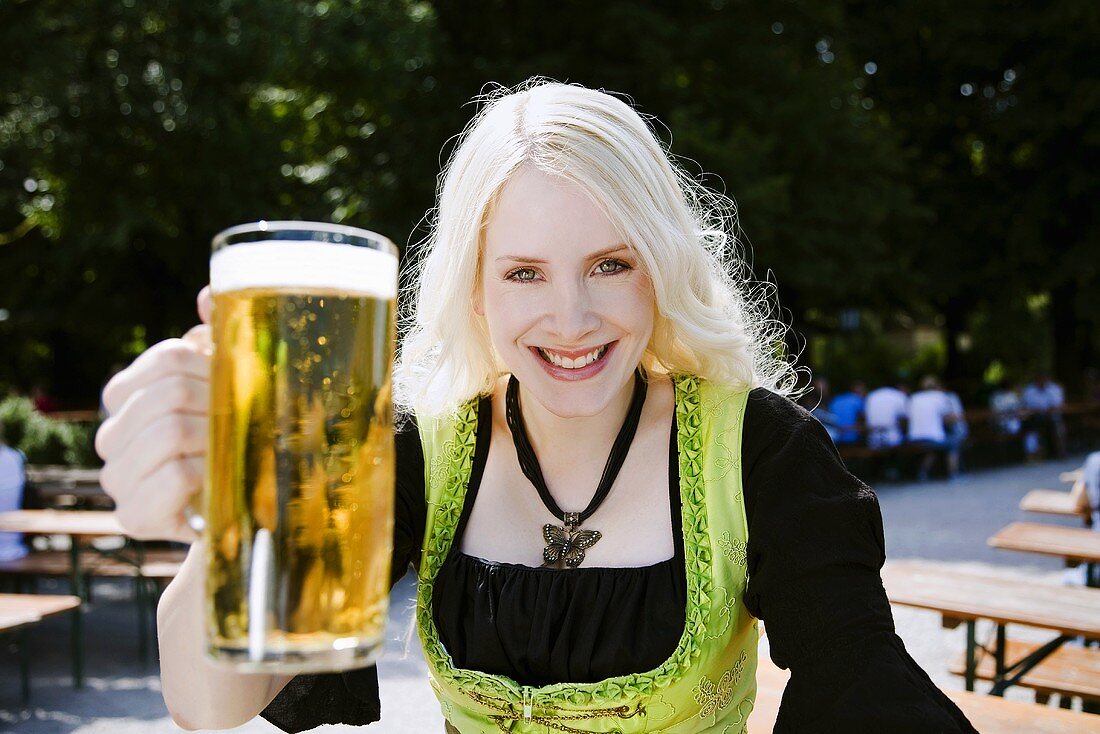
(917, 183)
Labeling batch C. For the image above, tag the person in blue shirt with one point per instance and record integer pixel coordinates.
(847, 409)
(12, 482)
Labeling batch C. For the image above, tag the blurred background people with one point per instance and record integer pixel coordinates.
(43, 401)
(814, 400)
(1043, 427)
(957, 431)
(930, 412)
(886, 410)
(13, 478)
(847, 409)
(1007, 408)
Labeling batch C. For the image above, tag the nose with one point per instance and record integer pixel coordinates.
(570, 315)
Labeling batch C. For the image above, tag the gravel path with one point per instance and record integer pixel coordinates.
(938, 521)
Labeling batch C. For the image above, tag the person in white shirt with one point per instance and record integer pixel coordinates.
(12, 481)
(931, 412)
(1043, 401)
(886, 410)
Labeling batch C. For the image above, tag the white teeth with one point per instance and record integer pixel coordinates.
(573, 364)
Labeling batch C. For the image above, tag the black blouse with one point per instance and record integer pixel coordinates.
(815, 548)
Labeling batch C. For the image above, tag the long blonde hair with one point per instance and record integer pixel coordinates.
(712, 320)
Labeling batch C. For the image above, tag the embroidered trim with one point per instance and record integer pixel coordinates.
(713, 698)
(610, 691)
(735, 549)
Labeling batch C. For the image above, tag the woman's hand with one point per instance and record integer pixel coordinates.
(154, 443)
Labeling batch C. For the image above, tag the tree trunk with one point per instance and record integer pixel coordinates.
(1072, 340)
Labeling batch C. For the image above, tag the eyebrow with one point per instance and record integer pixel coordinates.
(593, 256)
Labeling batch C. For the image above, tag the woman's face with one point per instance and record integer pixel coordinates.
(558, 288)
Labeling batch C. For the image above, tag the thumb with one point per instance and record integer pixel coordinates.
(205, 304)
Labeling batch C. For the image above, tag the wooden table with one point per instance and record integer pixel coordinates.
(1056, 502)
(988, 715)
(79, 525)
(48, 474)
(961, 596)
(53, 482)
(1071, 476)
(20, 611)
(1074, 545)
(84, 523)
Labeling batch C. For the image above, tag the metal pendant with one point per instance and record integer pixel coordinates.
(567, 544)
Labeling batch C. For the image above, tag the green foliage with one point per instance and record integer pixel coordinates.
(44, 440)
(131, 131)
(15, 415)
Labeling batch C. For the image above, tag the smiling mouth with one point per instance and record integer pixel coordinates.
(573, 364)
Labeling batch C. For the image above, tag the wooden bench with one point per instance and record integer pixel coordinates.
(1073, 545)
(19, 612)
(157, 563)
(988, 714)
(158, 566)
(1068, 671)
(1055, 502)
(966, 597)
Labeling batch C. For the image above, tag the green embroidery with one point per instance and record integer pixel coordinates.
(715, 697)
(743, 710)
(734, 549)
(725, 604)
(697, 544)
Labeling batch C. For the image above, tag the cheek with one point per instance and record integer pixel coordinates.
(634, 304)
(508, 315)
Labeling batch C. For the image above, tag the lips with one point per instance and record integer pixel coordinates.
(576, 373)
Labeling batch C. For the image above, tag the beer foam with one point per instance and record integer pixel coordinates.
(356, 271)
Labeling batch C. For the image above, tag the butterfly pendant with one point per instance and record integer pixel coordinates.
(566, 545)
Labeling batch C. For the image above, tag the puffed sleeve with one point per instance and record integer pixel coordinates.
(351, 697)
(815, 549)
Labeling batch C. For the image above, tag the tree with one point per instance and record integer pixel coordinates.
(132, 132)
(997, 106)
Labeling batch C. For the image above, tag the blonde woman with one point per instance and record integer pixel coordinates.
(601, 483)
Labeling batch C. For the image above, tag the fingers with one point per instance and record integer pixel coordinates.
(201, 336)
(165, 439)
(153, 507)
(163, 358)
(205, 303)
(170, 394)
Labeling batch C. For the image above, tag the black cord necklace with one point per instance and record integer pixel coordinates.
(567, 543)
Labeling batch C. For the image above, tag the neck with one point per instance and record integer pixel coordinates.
(575, 440)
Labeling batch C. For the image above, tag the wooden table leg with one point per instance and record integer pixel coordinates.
(22, 641)
(1020, 668)
(999, 653)
(78, 613)
(971, 644)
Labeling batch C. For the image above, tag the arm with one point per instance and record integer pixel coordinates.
(200, 694)
(815, 549)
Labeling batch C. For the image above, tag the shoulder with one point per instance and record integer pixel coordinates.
(775, 427)
(770, 411)
(406, 439)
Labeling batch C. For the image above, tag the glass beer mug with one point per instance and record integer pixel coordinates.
(298, 505)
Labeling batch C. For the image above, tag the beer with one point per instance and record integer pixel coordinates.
(299, 503)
